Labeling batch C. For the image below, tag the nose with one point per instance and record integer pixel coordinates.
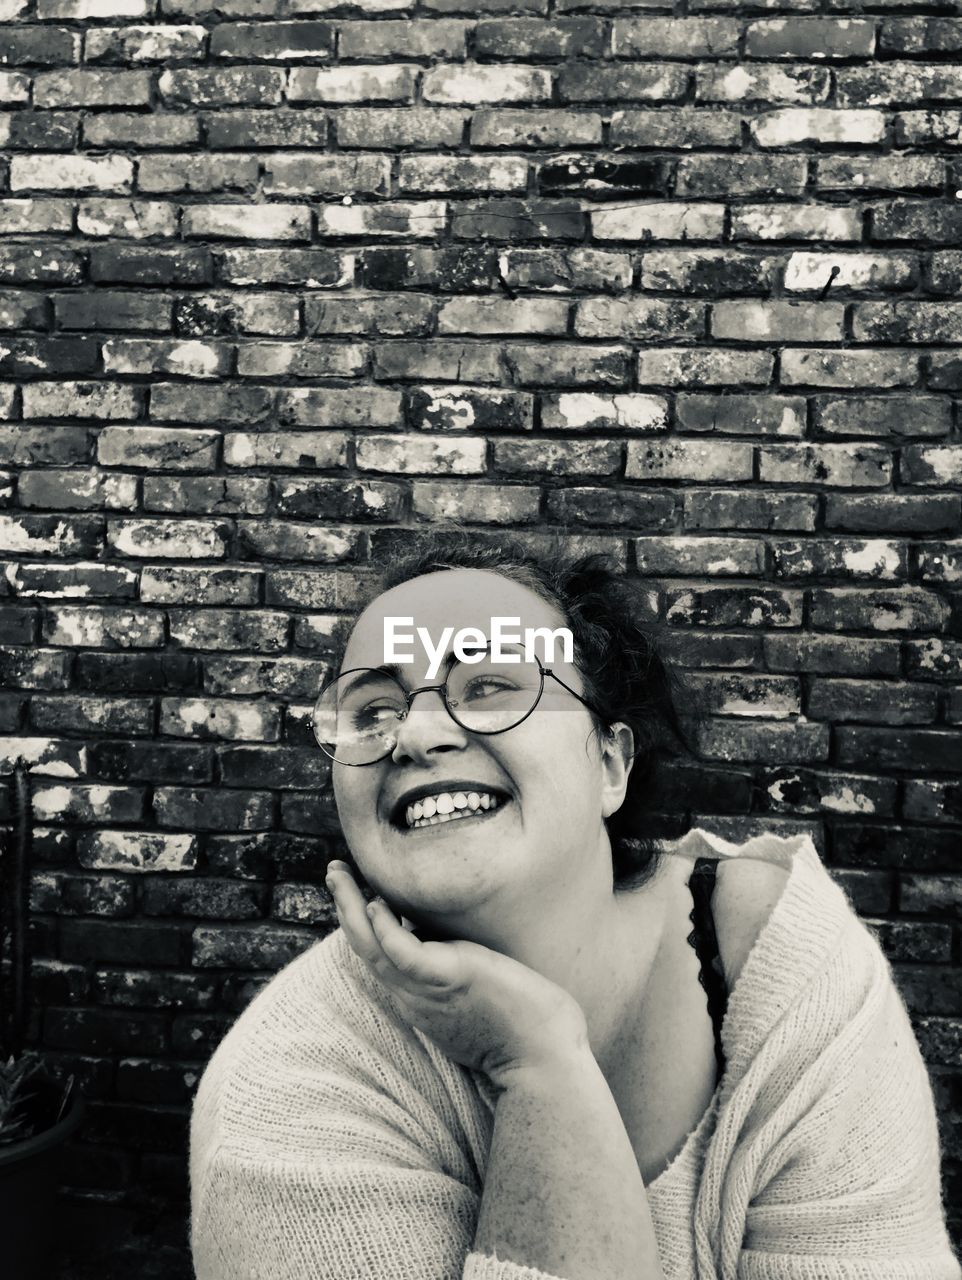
(427, 728)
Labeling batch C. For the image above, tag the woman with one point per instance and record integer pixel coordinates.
(546, 1049)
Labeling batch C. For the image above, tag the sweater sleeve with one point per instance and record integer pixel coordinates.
(328, 1144)
(851, 1189)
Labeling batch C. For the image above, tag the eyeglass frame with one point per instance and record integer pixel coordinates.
(443, 690)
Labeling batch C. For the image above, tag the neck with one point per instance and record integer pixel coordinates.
(601, 947)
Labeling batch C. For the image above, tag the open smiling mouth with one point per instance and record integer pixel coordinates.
(449, 806)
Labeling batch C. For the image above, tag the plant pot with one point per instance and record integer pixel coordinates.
(29, 1175)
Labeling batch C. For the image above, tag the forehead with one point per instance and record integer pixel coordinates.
(455, 598)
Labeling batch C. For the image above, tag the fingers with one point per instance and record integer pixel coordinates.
(352, 914)
(413, 958)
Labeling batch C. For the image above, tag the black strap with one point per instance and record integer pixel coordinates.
(704, 939)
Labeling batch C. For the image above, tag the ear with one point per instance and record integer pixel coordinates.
(617, 757)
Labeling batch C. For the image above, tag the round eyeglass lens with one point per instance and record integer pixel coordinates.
(357, 716)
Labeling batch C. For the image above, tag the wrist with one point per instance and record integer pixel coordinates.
(553, 1068)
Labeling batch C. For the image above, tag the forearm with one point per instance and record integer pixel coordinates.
(562, 1191)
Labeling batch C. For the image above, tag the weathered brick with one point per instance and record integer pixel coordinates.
(899, 172)
(447, 270)
(437, 359)
(841, 557)
(286, 449)
(432, 408)
(222, 86)
(474, 503)
(401, 315)
(113, 309)
(565, 364)
(186, 171)
(638, 318)
(675, 127)
(940, 561)
(139, 264)
(87, 803)
(206, 495)
(810, 38)
(134, 219)
(177, 584)
(596, 177)
(848, 368)
(741, 414)
(707, 271)
(567, 457)
(144, 44)
(896, 83)
(922, 220)
(907, 321)
(377, 83)
(900, 748)
(416, 455)
(60, 894)
(688, 460)
(856, 609)
(832, 655)
(934, 659)
(307, 173)
(189, 358)
(481, 315)
(38, 44)
(218, 809)
(945, 370)
(788, 790)
(672, 220)
(261, 946)
(51, 535)
(134, 129)
(99, 627)
(228, 402)
(871, 702)
(234, 721)
(71, 173)
(201, 315)
(173, 539)
(822, 126)
(414, 128)
(81, 400)
(43, 756)
(405, 38)
(937, 465)
(885, 513)
(589, 411)
(40, 446)
(247, 221)
(734, 607)
(764, 82)
(214, 629)
(92, 714)
(28, 217)
(279, 127)
(706, 175)
(303, 904)
(77, 490)
(629, 82)
(80, 580)
(817, 272)
(883, 416)
(474, 84)
(157, 447)
(463, 173)
(285, 540)
(43, 130)
(152, 762)
(337, 499)
(914, 128)
(699, 556)
(545, 128)
(278, 40)
(733, 694)
(18, 308)
(795, 222)
(763, 741)
(689, 366)
(562, 270)
(79, 87)
(136, 672)
(632, 508)
(102, 1031)
(305, 589)
(737, 509)
(339, 406)
(929, 801)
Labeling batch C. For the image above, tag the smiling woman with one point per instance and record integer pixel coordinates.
(553, 1046)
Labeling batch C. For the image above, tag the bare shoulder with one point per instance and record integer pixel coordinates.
(746, 890)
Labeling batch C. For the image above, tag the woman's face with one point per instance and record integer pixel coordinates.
(553, 779)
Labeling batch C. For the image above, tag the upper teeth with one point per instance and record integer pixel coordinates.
(447, 805)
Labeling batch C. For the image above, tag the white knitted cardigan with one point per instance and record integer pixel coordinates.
(330, 1141)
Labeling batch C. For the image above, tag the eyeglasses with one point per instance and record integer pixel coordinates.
(357, 715)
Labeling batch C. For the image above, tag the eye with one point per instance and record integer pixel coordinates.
(372, 714)
(488, 687)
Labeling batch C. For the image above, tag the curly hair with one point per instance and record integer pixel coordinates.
(625, 677)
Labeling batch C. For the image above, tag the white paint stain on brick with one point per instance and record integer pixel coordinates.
(195, 359)
(138, 851)
(846, 800)
(822, 125)
(44, 756)
(874, 558)
(457, 413)
(472, 84)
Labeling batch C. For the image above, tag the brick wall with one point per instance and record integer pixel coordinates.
(280, 282)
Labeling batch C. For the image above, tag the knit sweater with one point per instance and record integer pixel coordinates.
(331, 1141)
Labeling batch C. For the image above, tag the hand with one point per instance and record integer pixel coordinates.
(483, 1009)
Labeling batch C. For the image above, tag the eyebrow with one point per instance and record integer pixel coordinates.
(367, 675)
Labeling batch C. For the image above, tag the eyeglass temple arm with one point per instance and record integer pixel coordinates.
(584, 701)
